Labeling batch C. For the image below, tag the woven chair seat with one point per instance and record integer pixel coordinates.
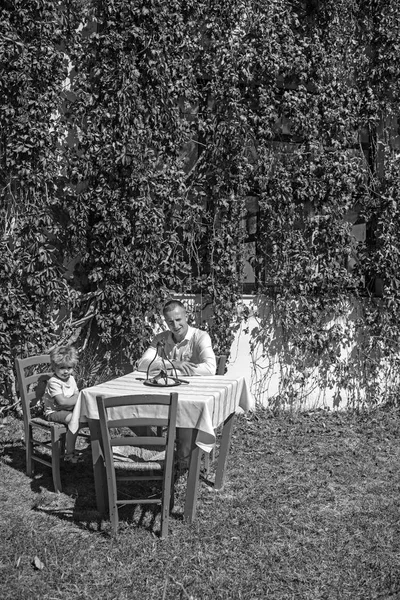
(137, 466)
(45, 423)
(138, 459)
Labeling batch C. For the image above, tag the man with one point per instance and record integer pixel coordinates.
(187, 348)
(190, 352)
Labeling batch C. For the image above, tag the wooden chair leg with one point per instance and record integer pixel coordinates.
(165, 510)
(99, 470)
(192, 486)
(113, 507)
(167, 503)
(114, 520)
(209, 458)
(29, 452)
(56, 442)
(223, 451)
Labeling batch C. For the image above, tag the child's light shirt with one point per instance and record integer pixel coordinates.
(54, 387)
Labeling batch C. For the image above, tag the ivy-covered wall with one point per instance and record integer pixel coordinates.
(139, 137)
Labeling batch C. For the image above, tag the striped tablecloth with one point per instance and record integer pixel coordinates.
(203, 403)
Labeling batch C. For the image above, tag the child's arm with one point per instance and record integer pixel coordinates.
(63, 401)
(57, 392)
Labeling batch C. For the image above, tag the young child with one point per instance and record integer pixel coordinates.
(61, 395)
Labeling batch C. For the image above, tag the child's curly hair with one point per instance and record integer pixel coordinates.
(63, 356)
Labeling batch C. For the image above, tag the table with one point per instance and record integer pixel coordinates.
(203, 404)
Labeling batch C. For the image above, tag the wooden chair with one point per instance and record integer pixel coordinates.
(31, 388)
(209, 457)
(134, 465)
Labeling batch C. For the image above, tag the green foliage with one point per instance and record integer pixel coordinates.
(136, 211)
(138, 164)
(32, 71)
(339, 57)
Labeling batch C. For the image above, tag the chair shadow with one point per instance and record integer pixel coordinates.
(131, 517)
(77, 480)
(207, 479)
(15, 454)
(77, 502)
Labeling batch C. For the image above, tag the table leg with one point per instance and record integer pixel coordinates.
(192, 485)
(223, 451)
(99, 470)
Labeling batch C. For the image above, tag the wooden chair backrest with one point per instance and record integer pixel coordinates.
(110, 421)
(221, 362)
(32, 385)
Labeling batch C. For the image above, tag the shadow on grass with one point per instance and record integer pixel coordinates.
(80, 476)
(77, 502)
(86, 518)
(14, 454)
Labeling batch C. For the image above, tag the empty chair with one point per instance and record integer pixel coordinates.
(138, 458)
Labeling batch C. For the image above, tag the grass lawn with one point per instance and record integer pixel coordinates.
(310, 510)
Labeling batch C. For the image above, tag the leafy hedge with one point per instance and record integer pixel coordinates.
(136, 169)
(32, 72)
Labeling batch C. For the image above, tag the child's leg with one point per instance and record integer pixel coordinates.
(70, 438)
(64, 417)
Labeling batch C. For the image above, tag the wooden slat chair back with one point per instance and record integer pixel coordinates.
(221, 363)
(209, 457)
(133, 464)
(31, 387)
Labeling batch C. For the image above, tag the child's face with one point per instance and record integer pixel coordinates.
(63, 372)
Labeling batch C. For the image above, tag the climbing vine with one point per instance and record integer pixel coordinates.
(133, 134)
(33, 290)
(334, 333)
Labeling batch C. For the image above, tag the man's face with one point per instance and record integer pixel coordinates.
(177, 322)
